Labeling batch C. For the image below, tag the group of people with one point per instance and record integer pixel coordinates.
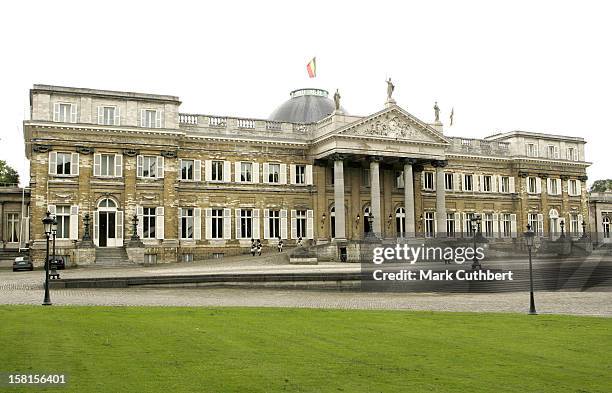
(256, 245)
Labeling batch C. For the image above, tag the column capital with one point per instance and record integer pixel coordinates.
(409, 161)
(439, 163)
(375, 158)
(337, 157)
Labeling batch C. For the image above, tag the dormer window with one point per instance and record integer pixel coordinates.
(109, 115)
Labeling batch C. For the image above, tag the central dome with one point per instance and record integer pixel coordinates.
(305, 106)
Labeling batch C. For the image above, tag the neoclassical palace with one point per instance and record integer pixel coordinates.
(203, 186)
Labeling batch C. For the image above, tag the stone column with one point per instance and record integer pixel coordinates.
(375, 195)
(409, 198)
(339, 198)
(440, 198)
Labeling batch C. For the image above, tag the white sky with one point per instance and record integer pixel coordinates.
(533, 65)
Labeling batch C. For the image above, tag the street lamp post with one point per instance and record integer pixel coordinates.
(54, 235)
(47, 224)
(529, 236)
(475, 222)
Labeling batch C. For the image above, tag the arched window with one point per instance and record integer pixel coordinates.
(606, 227)
(107, 202)
(332, 222)
(554, 229)
(400, 222)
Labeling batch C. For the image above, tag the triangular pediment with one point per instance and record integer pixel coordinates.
(393, 123)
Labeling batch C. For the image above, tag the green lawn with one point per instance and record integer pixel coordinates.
(150, 349)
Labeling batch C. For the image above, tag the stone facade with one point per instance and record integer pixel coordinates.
(600, 216)
(203, 186)
(14, 212)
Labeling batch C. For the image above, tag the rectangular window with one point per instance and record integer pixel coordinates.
(149, 117)
(246, 172)
(217, 171)
(532, 220)
(148, 223)
(572, 154)
(450, 225)
(448, 182)
(573, 187)
(428, 178)
(300, 174)
(504, 184)
(300, 216)
(187, 169)
(246, 223)
(273, 173)
(108, 115)
(553, 187)
(107, 165)
(532, 150)
(551, 151)
(574, 224)
(470, 226)
(274, 223)
(13, 227)
(63, 163)
(63, 113)
(488, 224)
(468, 183)
(149, 166)
(62, 215)
(429, 224)
(399, 179)
(186, 223)
(217, 223)
(532, 187)
(487, 183)
(506, 226)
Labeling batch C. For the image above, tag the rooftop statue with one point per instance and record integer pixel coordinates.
(337, 100)
(390, 88)
(437, 112)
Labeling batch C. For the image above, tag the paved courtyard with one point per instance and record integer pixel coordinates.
(27, 288)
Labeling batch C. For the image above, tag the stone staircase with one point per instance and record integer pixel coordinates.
(111, 257)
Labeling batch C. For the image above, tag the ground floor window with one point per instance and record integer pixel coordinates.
(13, 227)
(274, 223)
(246, 223)
(450, 225)
(300, 222)
(488, 224)
(148, 222)
(217, 224)
(506, 226)
(574, 224)
(186, 223)
(400, 221)
(429, 224)
(606, 227)
(62, 215)
(532, 220)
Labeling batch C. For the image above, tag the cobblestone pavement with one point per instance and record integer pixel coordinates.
(26, 288)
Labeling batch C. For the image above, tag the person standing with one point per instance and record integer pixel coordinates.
(253, 247)
(280, 244)
(259, 247)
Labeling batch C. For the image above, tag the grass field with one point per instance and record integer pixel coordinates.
(139, 349)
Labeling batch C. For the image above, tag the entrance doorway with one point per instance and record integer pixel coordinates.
(108, 224)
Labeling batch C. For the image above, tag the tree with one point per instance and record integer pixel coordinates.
(7, 174)
(602, 185)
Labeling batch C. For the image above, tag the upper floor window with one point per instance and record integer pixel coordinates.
(150, 118)
(63, 163)
(504, 184)
(246, 171)
(468, 182)
(187, 169)
(274, 173)
(300, 174)
(449, 181)
(532, 185)
(399, 179)
(216, 171)
(428, 180)
(108, 165)
(532, 149)
(572, 154)
(65, 112)
(553, 152)
(487, 183)
(573, 187)
(109, 115)
(150, 167)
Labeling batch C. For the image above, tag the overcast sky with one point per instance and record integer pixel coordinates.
(533, 65)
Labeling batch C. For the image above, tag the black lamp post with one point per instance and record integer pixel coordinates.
(47, 224)
(584, 233)
(135, 228)
(529, 236)
(54, 234)
(562, 224)
(475, 222)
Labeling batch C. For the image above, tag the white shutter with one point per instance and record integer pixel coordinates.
(255, 176)
(457, 218)
(548, 185)
(100, 115)
(208, 223)
(237, 212)
(119, 229)
(495, 224)
(180, 169)
(556, 152)
(558, 186)
(309, 224)
(466, 224)
(435, 222)
(227, 224)
(266, 171)
(56, 111)
(96, 228)
(578, 187)
(180, 220)
(422, 180)
(143, 118)
(140, 225)
(118, 165)
(293, 224)
(575, 158)
(117, 116)
(511, 184)
(456, 180)
(291, 173)
(266, 223)
(159, 223)
(52, 163)
(73, 113)
(139, 163)
(309, 175)
(227, 171)
(434, 177)
(197, 170)
(283, 174)
(283, 224)
(255, 231)
(527, 184)
(158, 119)
(476, 183)
(208, 170)
(197, 223)
(538, 185)
(493, 183)
(160, 167)
(237, 166)
(513, 225)
(540, 224)
(74, 222)
(580, 219)
(74, 164)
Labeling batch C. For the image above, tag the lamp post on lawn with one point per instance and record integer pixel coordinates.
(475, 221)
(53, 266)
(529, 235)
(47, 224)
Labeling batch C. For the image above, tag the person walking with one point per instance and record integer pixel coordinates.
(253, 247)
(280, 244)
(259, 247)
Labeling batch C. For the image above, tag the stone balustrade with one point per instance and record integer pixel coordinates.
(230, 125)
(478, 147)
